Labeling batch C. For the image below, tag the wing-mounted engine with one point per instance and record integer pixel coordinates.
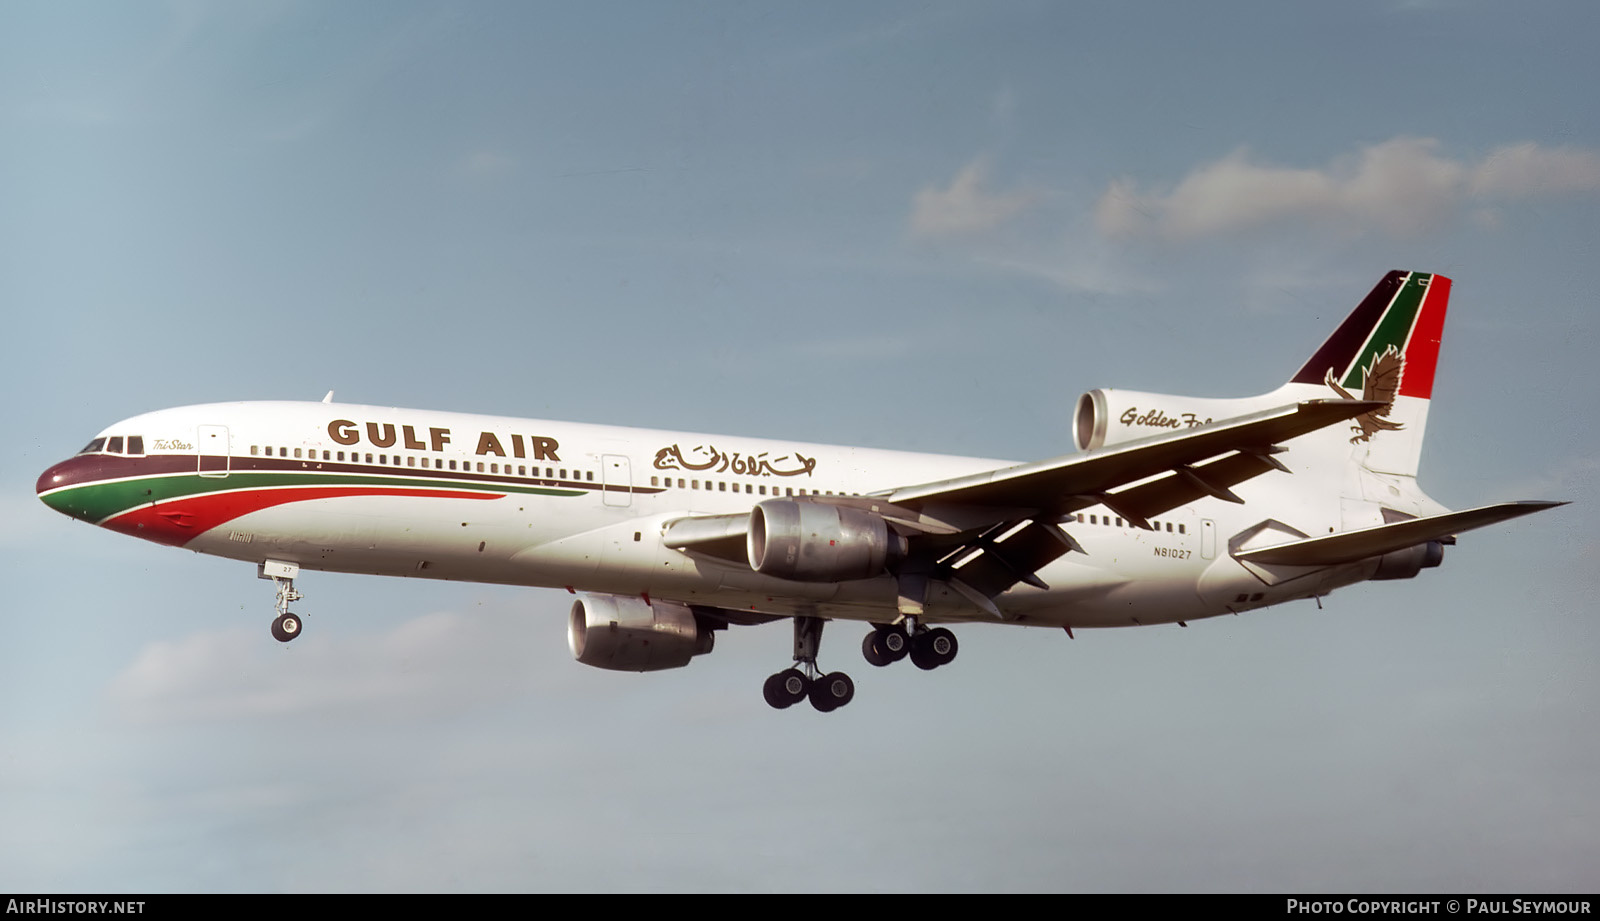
(1108, 417)
(816, 542)
(629, 634)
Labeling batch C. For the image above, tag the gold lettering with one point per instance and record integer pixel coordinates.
(488, 444)
(384, 440)
(343, 431)
(544, 448)
(516, 446)
(439, 437)
(412, 444)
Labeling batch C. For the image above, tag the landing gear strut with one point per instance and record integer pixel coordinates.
(827, 691)
(286, 626)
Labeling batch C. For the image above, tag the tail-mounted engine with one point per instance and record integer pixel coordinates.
(815, 542)
(629, 634)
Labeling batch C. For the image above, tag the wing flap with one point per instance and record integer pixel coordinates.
(1006, 554)
(1158, 496)
(1349, 546)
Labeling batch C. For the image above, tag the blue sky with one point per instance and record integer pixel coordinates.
(911, 225)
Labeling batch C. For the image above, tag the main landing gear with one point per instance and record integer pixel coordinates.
(886, 644)
(286, 626)
(928, 649)
(827, 692)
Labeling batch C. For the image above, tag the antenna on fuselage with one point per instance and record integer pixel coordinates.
(328, 398)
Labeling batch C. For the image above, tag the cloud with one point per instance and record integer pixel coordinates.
(964, 207)
(1402, 186)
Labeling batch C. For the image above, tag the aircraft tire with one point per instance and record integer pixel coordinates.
(944, 645)
(786, 688)
(871, 651)
(832, 691)
(773, 692)
(932, 649)
(285, 627)
(893, 642)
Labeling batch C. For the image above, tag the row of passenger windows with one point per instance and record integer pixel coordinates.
(439, 463)
(1106, 520)
(115, 445)
(750, 489)
(136, 445)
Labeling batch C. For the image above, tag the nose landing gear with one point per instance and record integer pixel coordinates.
(286, 626)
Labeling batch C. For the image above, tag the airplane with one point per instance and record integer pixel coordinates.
(1173, 509)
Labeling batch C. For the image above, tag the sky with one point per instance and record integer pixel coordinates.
(923, 225)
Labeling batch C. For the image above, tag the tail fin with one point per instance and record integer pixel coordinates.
(1387, 350)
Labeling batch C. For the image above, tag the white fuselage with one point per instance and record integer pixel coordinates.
(584, 507)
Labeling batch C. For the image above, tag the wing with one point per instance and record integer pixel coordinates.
(981, 534)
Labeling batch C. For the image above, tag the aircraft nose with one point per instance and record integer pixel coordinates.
(48, 480)
(51, 492)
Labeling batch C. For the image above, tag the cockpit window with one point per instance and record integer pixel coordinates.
(135, 444)
(114, 444)
(94, 447)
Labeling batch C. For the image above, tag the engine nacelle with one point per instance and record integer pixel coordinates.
(627, 634)
(1108, 417)
(1405, 564)
(814, 542)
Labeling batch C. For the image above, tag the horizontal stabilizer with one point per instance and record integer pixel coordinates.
(1349, 546)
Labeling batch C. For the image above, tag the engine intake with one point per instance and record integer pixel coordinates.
(814, 542)
(627, 634)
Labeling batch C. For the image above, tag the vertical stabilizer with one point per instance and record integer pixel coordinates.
(1387, 350)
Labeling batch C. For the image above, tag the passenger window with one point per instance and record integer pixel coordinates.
(369, 458)
(283, 452)
(296, 453)
(722, 486)
(480, 466)
(254, 450)
(452, 465)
